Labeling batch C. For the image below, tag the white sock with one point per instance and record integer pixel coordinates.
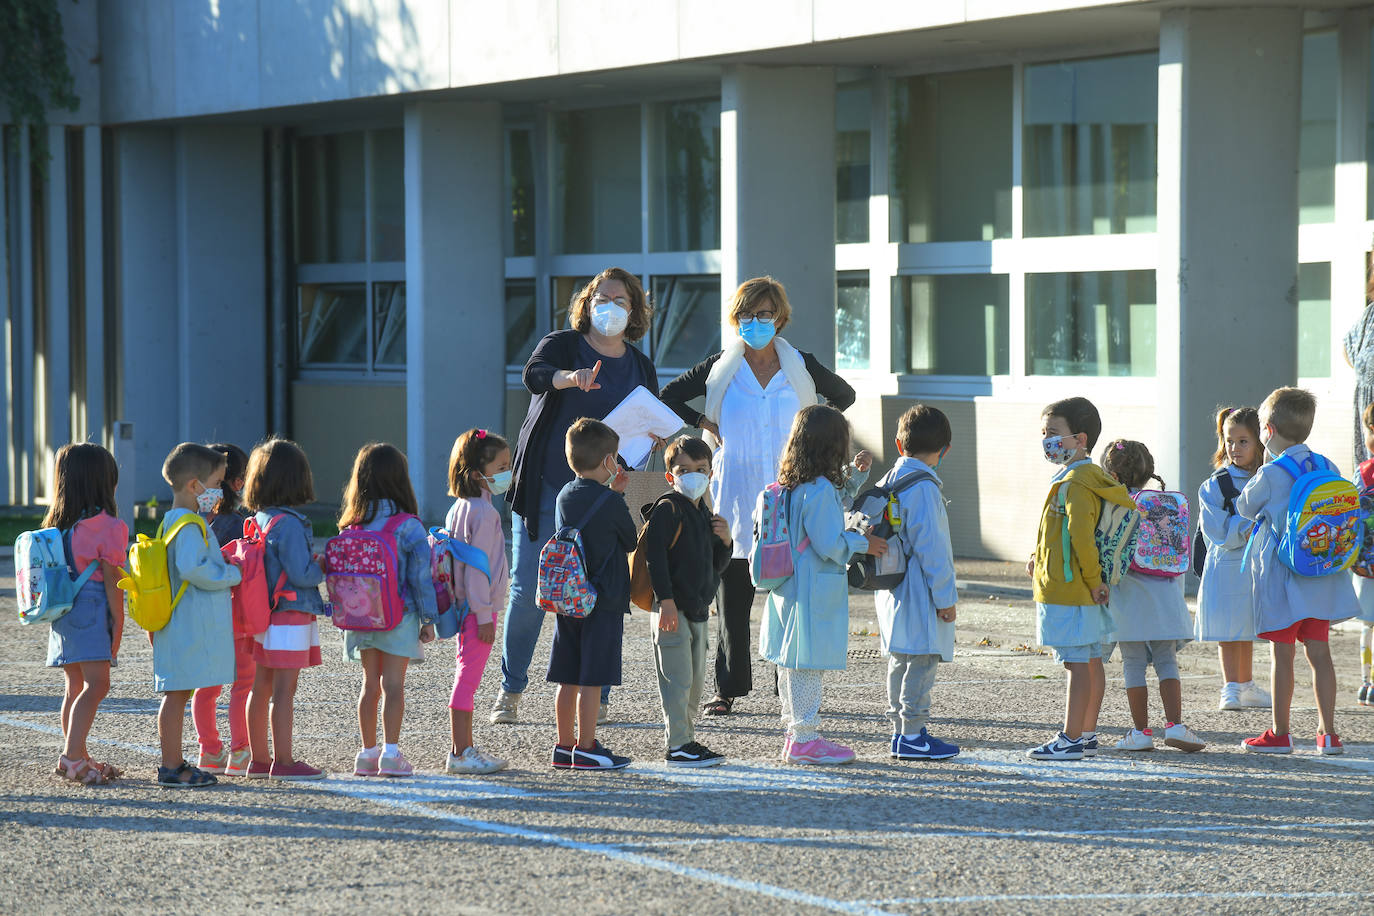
(391, 750)
(371, 751)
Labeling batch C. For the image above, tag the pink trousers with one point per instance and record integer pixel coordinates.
(206, 701)
(471, 661)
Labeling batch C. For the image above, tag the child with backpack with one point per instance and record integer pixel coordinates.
(586, 558)
(916, 615)
(1298, 568)
(1224, 597)
(379, 498)
(226, 523)
(278, 482)
(805, 629)
(685, 549)
(196, 647)
(1364, 568)
(1148, 610)
(1072, 575)
(478, 469)
(84, 641)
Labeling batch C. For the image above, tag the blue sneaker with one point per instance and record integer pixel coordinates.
(923, 746)
(1061, 747)
(895, 738)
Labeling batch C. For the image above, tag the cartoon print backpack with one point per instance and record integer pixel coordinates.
(877, 513)
(446, 552)
(148, 579)
(45, 577)
(362, 573)
(1364, 563)
(1117, 529)
(1161, 544)
(1322, 530)
(252, 601)
(564, 585)
(771, 561)
(1229, 494)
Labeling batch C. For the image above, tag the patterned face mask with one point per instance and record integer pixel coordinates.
(1057, 452)
(207, 499)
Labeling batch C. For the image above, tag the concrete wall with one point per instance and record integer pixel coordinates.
(332, 420)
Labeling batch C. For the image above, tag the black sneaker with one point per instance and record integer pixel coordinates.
(597, 758)
(692, 754)
(562, 757)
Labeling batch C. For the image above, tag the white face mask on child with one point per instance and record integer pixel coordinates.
(207, 499)
(693, 485)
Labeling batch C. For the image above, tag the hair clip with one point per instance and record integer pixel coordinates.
(1120, 446)
(481, 434)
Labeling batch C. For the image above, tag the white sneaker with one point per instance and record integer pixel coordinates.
(1182, 737)
(473, 762)
(503, 711)
(1230, 696)
(1137, 740)
(1253, 696)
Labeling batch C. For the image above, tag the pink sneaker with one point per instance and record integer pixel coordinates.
(258, 770)
(819, 752)
(238, 762)
(1326, 744)
(214, 764)
(398, 765)
(786, 748)
(295, 772)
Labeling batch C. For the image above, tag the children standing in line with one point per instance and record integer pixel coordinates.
(478, 469)
(226, 523)
(279, 480)
(196, 647)
(686, 548)
(379, 489)
(1288, 607)
(1151, 621)
(916, 619)
(1364, 587)
(85, 640)
(1224, 597)
(586, 651)
(1071, 617)
(805, 629)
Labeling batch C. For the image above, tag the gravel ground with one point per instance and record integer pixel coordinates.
(1218, 831)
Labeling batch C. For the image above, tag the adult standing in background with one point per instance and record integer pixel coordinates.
(1359, 354)
(583, 371)
(753, 389)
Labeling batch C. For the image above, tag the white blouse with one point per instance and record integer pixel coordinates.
(754, 423)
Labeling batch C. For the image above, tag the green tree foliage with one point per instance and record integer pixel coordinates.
(34, 75)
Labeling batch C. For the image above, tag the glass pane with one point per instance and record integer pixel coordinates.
(389, 328)
(1088, 163)
(564, 289)
(1317, 139)
(330, 218)
(853, 112)
(951, 324)
(851, 321)
(685, 177)
(520, 180)
(522, 330)
(951, 157)
(1100, 323)
(686, 326)
(388, 195)
(1314, 320)
(596, 196)
(332, 324)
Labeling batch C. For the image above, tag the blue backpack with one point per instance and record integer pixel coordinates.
(45, 577)
(1320, 534)
(448, 551)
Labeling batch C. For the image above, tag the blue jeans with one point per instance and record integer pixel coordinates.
(524, 619)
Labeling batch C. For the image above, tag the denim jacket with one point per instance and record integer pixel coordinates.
(291, 548)
(413, 561)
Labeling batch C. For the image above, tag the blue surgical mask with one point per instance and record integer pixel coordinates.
(757, 333)
(1273, 456)
(943, 452)
(499, 482)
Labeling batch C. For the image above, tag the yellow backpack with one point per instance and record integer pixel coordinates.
(147, 579)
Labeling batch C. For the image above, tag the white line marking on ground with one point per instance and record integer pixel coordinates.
(1162, 895)
(50, 730)
(1353, 763)
(1089, 769)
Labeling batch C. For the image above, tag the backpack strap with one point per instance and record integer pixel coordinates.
(188, 520)
(903, 484)
(1063, 499)
(596, 504)
(1229, 491)
(462, 552)
(279, 591)
(86, 573)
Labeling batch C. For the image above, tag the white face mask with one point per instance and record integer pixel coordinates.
(693, 485)
(207, 499)
(609, 319)
(613, 470)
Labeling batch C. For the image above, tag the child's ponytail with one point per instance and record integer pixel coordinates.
(1130, 462)
(1219, 457)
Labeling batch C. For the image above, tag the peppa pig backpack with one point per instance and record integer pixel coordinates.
(1321, 532)
(1162, 547)
(362, 575)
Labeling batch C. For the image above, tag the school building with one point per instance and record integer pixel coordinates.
(348, 220)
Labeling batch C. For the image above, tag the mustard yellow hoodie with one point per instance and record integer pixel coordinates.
(1088, 485)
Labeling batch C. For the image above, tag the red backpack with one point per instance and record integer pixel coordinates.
(251, 601)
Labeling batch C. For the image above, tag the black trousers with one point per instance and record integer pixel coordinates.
(734, 661)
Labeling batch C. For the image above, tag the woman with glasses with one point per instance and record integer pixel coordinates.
(752, 389)
(583, 371)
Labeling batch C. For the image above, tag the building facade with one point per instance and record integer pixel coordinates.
(351, 220)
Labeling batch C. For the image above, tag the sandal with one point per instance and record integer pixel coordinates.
(720, 706)
(81, 771)
(109, 770)
(184, 777)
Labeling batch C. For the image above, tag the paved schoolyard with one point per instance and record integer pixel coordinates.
(1218, 831)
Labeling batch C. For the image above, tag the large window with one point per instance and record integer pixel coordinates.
(596, 194)
(686, 326)
(1314, 320)
(1317, 140)
(1089, 146)
(950, 157)
(951, 324)
(1095, 323)
(350, 251)
(685, 173)
(851, 320)
(520, 188)
(853, 136)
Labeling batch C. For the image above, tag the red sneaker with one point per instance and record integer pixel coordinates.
(1269, 743)
(1330, 744)
(258, 770)
(295, 772)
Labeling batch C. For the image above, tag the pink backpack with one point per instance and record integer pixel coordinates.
(362, 575)
(250, 598)
(1162, 547)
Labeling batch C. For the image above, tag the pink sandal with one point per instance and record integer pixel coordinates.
(81, 771)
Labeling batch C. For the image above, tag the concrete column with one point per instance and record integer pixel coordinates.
(221, 250)
(22, 329)
(8, 304)
(455, 270)
(1229, 92)
(777, 175)
(57, 362)
(146, 267)
(94, 270)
